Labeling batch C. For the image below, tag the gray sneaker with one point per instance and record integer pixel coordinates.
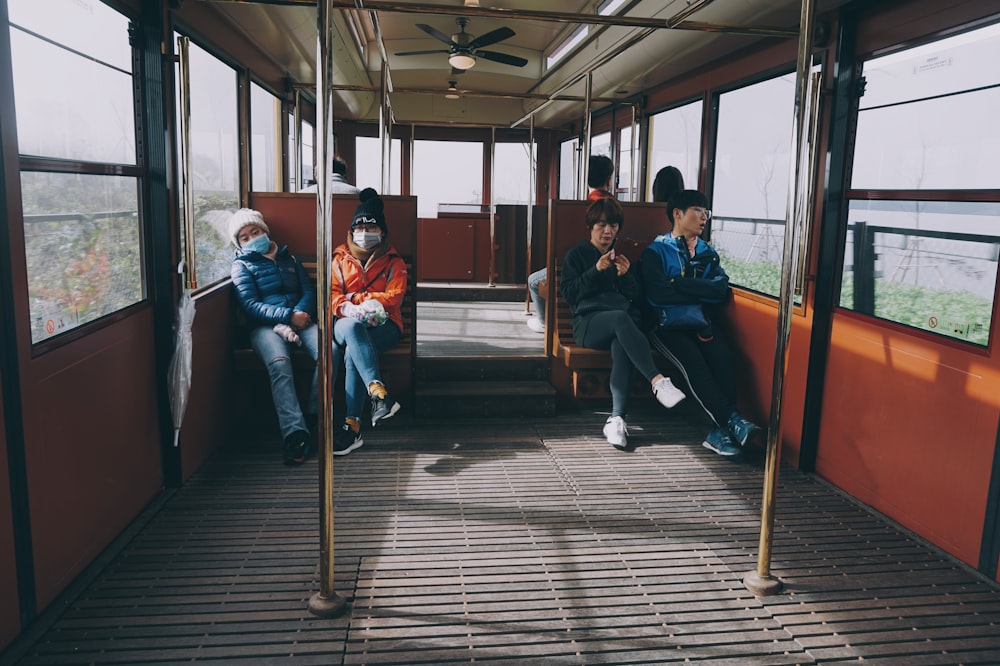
(383, 408)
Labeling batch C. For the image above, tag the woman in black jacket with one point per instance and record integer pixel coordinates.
(604, 296)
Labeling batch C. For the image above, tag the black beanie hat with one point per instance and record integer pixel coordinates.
(369, 211)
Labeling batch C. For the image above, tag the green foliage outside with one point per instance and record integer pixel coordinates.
(952, 313)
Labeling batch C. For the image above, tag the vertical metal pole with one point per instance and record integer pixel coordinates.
(326, 602)
(187, 194)
(760, 581)
(632, 181)
(493, 205)
(385, 128)
(297, 133)
(532, 174)
(585, 148)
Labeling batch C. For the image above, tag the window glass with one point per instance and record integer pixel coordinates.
(58, 114)
(675, 140)
(214, 180)
(927, 114)
(308, 154)
(449, 172)
(368, 154)
(569, 151)
(82, 248)
(600, 144)
(512, 173)
(927, 121)
(265, 144)
(930, 265)
(624, 191)
(750, 194)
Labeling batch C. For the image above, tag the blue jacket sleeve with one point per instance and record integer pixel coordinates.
(249, 296)
(308, 301)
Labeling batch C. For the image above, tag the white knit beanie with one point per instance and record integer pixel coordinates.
(244, 217)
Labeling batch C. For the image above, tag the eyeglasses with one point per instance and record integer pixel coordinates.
(701, 211)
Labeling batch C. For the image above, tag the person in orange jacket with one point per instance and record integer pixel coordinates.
(367, 284)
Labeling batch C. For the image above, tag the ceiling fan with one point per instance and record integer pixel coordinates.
(465, 49)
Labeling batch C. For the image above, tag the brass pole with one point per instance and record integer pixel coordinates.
(187, 193)
(326, 602)
(532, 175)
(760, 581)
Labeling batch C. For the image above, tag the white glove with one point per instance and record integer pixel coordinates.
(370, 312)
(288, 333)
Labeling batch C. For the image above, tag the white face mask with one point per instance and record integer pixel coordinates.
(366, 240)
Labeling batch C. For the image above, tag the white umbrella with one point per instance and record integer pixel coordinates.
(179, 373)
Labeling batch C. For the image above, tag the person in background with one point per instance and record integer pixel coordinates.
(367, 284)
(603, 295)
(599, 177)
(681, 270)
(279, 300)
(338, 180)
(668, 181)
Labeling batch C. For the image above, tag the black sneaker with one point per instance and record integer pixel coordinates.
(383, 408)
(296, 448)
(346, 440)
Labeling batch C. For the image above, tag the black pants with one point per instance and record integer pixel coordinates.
(707, 368)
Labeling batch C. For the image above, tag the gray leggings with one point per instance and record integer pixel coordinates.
(616, 331)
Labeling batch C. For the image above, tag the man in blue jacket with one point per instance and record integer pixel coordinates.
(684, 279)
(279, 300)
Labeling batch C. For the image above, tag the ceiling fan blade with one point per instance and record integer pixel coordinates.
(491, 37)
(506, 59)
(406, 53)
(436, 34)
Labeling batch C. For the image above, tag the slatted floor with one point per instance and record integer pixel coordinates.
(533, 542)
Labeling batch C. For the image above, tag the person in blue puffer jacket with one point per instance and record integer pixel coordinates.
(279, 300)
(684, 281)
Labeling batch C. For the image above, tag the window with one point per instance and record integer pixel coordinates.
(82, 238)
(625, 188)
(449, 172)
(265, 145)
(569, 151)
(566, 46)
(675, 140)
(368, 153)
(921, 250)
(215, 174)
(512, 173)
(750, 194)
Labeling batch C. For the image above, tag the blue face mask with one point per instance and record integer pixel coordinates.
(258, 244)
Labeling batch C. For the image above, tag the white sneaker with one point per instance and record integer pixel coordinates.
(666, 393)
(616, 432)
(535, 324)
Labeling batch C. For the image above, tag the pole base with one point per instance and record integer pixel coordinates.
(321, 606)
(762, 586)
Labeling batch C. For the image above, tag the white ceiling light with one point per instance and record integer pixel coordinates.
(452, 91)
(461, 61)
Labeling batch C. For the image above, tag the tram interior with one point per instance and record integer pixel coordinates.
(851, 155)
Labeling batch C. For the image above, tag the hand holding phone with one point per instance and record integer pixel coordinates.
(611, 249)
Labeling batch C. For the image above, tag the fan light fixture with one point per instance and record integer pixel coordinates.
(452, 91)
(461, 61)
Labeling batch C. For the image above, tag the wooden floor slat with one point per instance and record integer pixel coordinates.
(521, 542)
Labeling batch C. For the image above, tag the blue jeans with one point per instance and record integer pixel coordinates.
(536, 297)
(275, 353)
(360, 346)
